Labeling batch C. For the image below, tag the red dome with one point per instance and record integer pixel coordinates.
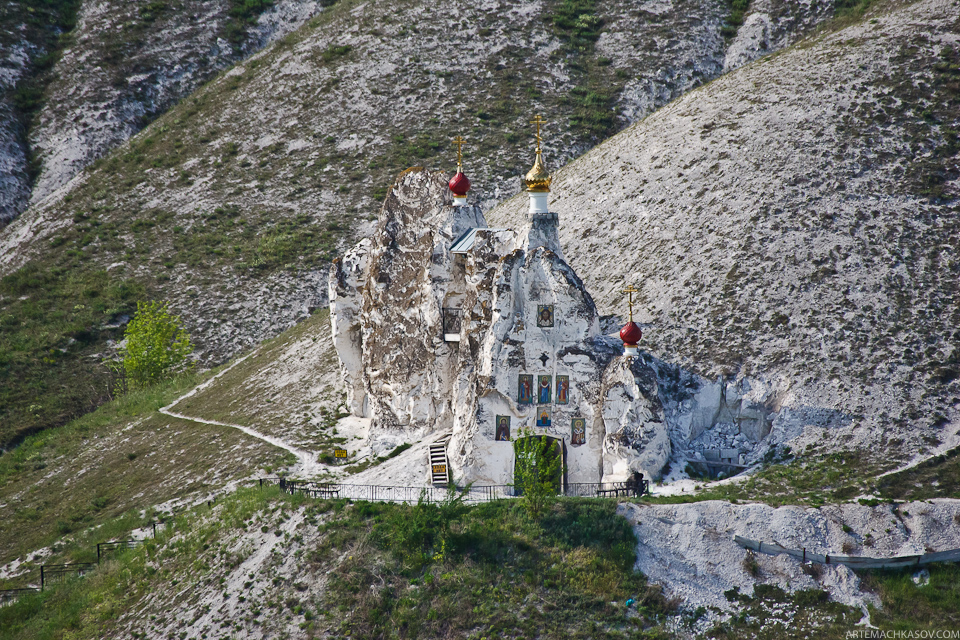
(631, 334)
(459, 184)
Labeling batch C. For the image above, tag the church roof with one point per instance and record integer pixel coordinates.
(464, 243)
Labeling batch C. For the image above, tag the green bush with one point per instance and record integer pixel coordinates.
(538, 471)
(157, 346)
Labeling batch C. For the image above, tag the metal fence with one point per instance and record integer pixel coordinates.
(50, 573)
(433, 494)
(9, 595)
(854, 562)
(104, 547)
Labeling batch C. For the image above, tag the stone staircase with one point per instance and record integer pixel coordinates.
(439, 466)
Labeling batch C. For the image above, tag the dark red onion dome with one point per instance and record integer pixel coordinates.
(459, 184)
(631, 333)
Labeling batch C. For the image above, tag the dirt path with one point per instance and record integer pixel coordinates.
(307, 464)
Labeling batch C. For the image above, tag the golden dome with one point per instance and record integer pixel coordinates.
(538, 179)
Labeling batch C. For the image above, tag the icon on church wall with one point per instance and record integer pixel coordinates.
(563, 389)
(543, 390)
(503, 428)
(544, 315)
(543, 417)
(525, 389)
(578, 431)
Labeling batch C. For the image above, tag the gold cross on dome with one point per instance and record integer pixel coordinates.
(630, 291)
(537, 120)
(459, 142)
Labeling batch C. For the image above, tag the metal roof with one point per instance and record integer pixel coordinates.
(465, 242)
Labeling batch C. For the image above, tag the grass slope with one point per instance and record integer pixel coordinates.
(289, 388)
(264, 562)
(127, 456)
(124, 456)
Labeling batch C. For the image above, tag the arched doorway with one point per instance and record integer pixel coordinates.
(532, 451)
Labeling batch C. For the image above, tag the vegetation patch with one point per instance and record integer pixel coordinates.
(487, 571)
(120, 457)
(938, 477)
(738, 9)
(771, 612)
(578, 26)
(811, 480)
(46, 25)
(915, 604)
(53, 322)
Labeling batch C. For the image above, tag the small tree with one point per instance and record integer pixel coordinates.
(157, 346)
(538, 471)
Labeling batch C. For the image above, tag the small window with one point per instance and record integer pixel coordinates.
(452, 323)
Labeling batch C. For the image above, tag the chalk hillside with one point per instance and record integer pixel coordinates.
(796, 221)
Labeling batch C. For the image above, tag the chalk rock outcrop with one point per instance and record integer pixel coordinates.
(492, 341)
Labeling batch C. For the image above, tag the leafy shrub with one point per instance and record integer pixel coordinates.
(157, 346)
(750, 565)
(538, 471)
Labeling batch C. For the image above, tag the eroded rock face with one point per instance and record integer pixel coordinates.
(130, 62)
(522, 352)
(690, 548)
(773, 25)
(386, 298)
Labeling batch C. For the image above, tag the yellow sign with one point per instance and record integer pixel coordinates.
(439, 468)
(340, 453)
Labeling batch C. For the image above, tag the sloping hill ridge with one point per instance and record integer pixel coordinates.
(232, 204)
(796, 220)
(85, 76)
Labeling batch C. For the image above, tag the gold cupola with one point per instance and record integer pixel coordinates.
(538, 178)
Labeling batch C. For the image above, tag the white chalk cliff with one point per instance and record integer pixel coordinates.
(438, 321)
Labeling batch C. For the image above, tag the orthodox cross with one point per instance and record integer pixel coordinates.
(630, 291)
(537, 120)
(459, 142)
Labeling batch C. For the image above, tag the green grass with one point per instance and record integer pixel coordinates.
(907, 606)
(46, 25)
(773, 613)
(122, 457)
(493, 573)
(88, 607)
(737, 10)
(496, 574)
(429, 571)
(938, 477)
(810, 480)
(52, 321)
(304, 411)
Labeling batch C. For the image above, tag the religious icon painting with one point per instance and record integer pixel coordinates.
(578, 431)
(544, 315)
(543, 417)
(525, 389)
(543, 390)
(503, 428)
(563, 389)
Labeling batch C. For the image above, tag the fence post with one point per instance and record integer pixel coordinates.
(41, 578)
